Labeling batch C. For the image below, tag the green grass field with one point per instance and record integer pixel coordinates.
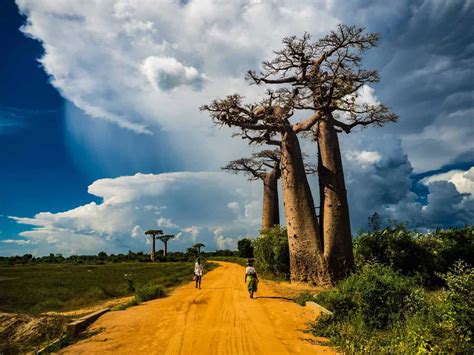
(61, 287)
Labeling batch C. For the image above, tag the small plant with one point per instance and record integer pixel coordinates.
(124, 306)
(304, 297)
(150, 292)
(460, 299)
(130, 282)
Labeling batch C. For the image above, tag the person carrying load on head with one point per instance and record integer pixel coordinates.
(251, 278)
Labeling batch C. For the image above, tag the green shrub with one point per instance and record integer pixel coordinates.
(387, 313)
(271, 252)
(376, 295)
(149, 292)
(415, 254)
(448, 246)
(447, 325)
(245, 248)
(397, 248)
(460, 297)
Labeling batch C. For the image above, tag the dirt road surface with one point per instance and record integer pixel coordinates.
(218, 319)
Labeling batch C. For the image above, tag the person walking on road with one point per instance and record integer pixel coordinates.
(251, 276)
(198, 271)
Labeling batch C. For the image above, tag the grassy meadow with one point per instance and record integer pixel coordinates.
(38, 288)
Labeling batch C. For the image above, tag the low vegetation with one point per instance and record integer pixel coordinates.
(410, 293)
(36, 288)
(61, 287)
(379, 310)
(424, 256)
(21, 334)
(102, 258)
(150, 292)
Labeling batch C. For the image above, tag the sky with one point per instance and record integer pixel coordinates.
(101, 137)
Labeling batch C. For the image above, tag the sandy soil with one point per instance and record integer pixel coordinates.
(218, 319)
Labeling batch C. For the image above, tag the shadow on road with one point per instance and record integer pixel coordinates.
(275, 297)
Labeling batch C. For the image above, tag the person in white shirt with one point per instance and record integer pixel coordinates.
(198, 271)
(251, 276)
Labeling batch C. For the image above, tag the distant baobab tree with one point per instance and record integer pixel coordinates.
(198, 247)
(265, 166)
(153, 233)
(164, 239)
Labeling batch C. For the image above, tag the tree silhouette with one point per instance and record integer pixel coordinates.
(153, 233)
(164, 239)
(265, 166)
(198, 247)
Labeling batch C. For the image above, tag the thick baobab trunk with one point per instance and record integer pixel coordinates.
(334, 214)
(321, 193)
(153, 250)
(270, 210)
(306, 259)
(165, 251)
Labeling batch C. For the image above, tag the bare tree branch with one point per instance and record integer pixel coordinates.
(256, 167)
(328, 73)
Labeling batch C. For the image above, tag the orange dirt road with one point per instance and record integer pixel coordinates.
(218, 319)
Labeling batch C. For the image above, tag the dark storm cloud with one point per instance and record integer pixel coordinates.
(387, 186)
(425, 59)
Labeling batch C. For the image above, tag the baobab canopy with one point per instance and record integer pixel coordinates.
(154, 232)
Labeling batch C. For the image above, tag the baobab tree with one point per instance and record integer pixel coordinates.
(328, 76)
(268, 122)
(164, 239)
(198, 247)
(153, 233)
(265, 166)
(257, 167)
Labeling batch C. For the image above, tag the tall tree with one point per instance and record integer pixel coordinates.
(153, 233)
(165, 239)
(256, 167)
(329, 77)
(245, 248)
(198, 247)
(265, 166)
(268, 122)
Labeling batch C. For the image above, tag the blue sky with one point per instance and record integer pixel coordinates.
(37, 172)
(101, 137)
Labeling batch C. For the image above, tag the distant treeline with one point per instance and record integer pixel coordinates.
(103, 257)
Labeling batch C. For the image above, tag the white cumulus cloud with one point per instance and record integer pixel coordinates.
(364, 157)
(130, 205)
(463, 180)
(165, 73)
